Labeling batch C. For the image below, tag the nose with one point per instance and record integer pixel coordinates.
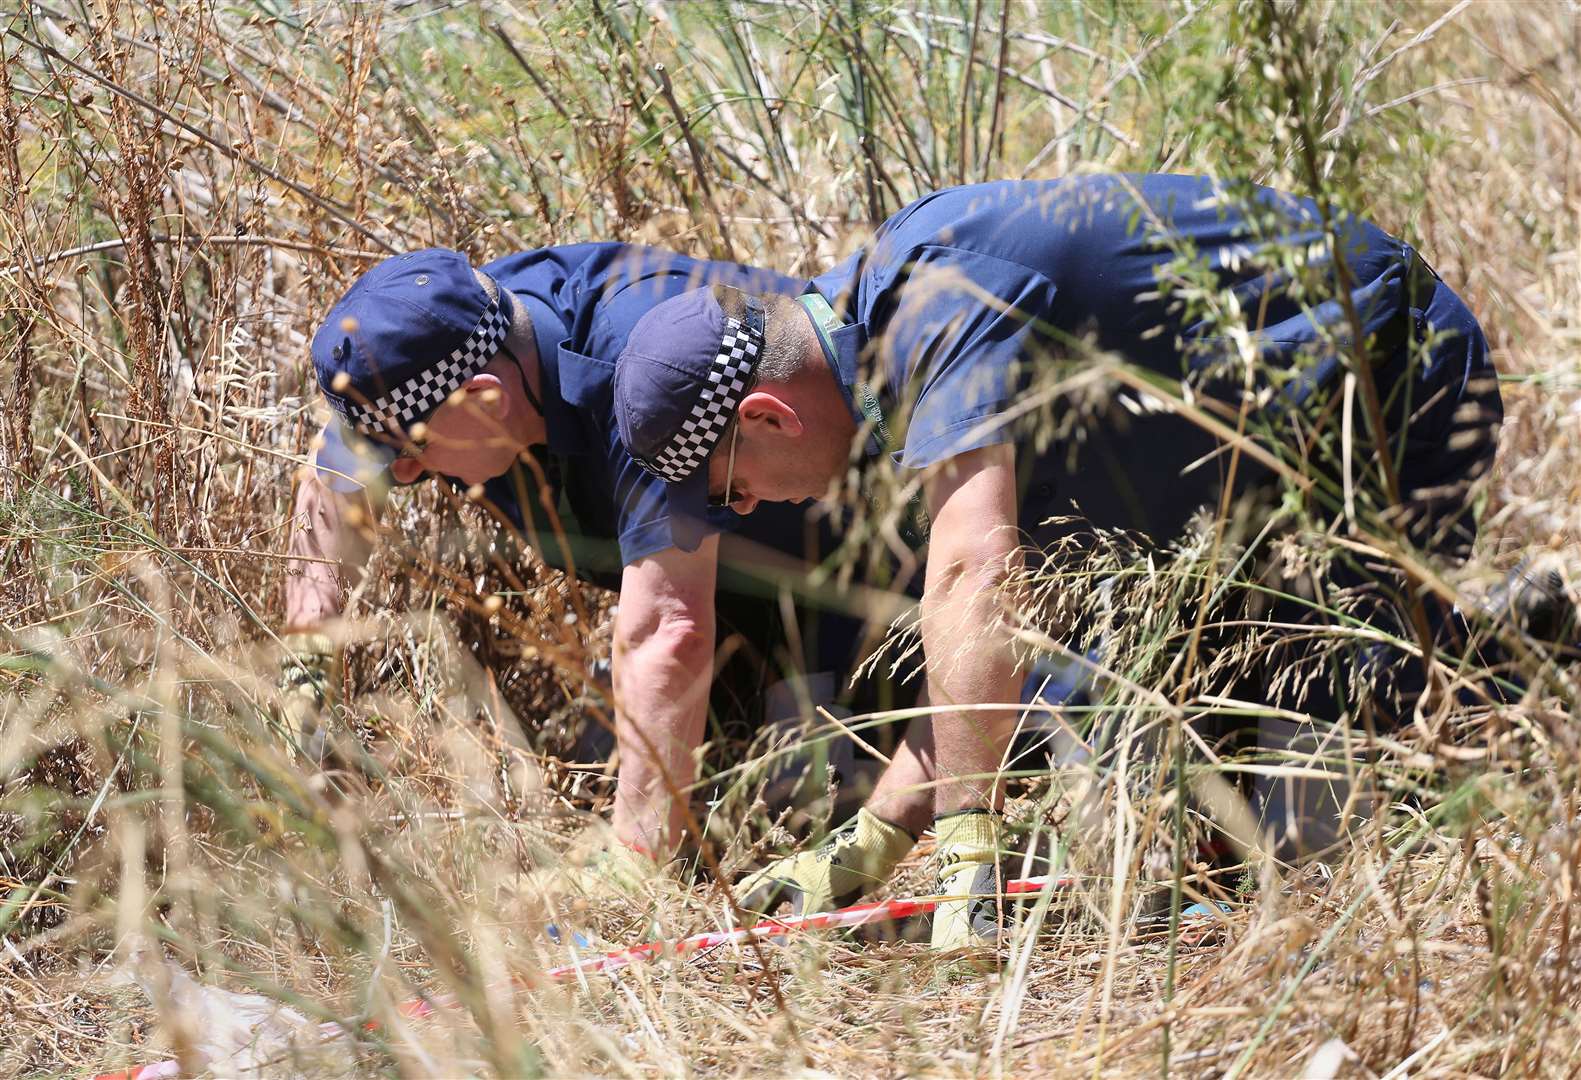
(745, 504)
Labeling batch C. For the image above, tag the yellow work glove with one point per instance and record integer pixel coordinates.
(310, 673)
(1534, 597)
(837, 872)
(616, 868)
(968, 857)
(600, 877)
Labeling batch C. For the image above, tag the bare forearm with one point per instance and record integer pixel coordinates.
(661, 693)
(970, 662)
(972, 552)
(329, 540)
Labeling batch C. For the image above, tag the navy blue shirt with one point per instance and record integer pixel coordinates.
(970, 299)
(583, 300)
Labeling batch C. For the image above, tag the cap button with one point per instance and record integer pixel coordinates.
(421, 279)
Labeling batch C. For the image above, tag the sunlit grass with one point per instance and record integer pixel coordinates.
(185, 189)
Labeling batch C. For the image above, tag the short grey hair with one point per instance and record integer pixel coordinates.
(784, 355)
(520, 340)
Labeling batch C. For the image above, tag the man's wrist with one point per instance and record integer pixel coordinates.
(645, 834)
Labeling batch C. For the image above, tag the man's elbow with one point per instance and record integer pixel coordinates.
(686, 643)
(977, 570)
(667, 638)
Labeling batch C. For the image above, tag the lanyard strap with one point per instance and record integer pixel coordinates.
(826, 322)
(915, 527)
(532, 398)
(824, 319)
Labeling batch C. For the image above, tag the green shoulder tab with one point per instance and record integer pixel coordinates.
(826, 322)
(823, 317)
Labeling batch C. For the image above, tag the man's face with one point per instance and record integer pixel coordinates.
(467, 437)
(769, 467)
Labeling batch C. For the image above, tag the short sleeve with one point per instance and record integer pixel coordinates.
(344, 461)
(959, 346)
(642, 520)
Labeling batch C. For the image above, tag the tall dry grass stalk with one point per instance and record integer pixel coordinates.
(186, 187)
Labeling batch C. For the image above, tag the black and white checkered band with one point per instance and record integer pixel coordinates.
(729, 377)
(414, 399)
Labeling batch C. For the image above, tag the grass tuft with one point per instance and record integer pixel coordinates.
(185, 188)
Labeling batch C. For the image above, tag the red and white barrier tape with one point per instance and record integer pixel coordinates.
(773, 929)
(767, 930)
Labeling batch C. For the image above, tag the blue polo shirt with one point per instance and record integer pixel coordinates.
(972, 300)
(583, 300)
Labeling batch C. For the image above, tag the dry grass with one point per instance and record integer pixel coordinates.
(184, 188)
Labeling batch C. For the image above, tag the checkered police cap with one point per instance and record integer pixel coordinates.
(420, 395)
(686, 368)
(407, 335)
(715, 407)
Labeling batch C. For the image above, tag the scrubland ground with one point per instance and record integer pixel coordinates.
(187, 187)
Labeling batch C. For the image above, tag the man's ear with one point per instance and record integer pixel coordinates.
(405, 470)
(769, 413)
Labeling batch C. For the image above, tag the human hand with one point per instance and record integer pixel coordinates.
(599, 876)
(849, 863)
(310, 675)
(969, 858)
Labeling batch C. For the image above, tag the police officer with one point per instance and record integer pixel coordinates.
(434, 367)
(943, 345)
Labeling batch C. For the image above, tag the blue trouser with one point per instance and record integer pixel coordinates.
(1442, 406)
(1443, 409)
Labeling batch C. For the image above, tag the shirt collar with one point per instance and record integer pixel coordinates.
(549, 332)
(842, 345)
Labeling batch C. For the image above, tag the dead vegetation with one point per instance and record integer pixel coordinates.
(184, 189)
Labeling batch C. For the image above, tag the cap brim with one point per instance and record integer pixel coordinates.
(348, 462)
(688, 500)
